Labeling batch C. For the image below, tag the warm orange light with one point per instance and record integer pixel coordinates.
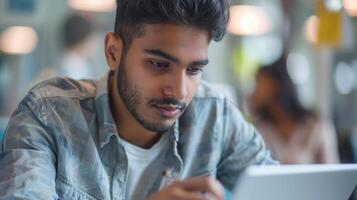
(312, 29)
(93, 5)
(248, 20)
(350, 7)
(18, 40)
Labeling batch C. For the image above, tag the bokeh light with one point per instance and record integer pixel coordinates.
(18, 40)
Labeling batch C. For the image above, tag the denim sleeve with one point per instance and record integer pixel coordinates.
(27, 161)
(244, 146)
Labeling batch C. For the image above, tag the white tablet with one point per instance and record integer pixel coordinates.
(297, 182)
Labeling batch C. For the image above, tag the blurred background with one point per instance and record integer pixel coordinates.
(40, 39)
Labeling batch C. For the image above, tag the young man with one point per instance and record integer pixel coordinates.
(148, 130)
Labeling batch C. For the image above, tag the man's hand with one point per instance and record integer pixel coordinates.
(197, 188)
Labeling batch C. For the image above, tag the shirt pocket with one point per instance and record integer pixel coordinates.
(65, 190)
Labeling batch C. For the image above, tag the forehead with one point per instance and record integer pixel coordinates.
(175, 39)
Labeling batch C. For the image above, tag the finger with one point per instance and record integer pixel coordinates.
(203, 184)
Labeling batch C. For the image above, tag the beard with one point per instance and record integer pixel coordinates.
(130, 96)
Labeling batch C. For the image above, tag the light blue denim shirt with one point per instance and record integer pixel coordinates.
(62, 143)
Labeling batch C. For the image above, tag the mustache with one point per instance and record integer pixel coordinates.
(168, 101)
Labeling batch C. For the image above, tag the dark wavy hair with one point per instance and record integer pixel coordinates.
(210, 15)
(287, 96)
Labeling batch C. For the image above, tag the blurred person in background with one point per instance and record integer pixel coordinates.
(78, 41)
(294, 134)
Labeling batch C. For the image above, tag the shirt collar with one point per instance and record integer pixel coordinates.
(106, 124)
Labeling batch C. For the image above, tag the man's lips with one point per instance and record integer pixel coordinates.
(168, 111)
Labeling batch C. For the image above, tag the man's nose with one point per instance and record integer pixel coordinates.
(176, 86)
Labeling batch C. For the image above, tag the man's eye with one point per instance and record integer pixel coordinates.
(159, 65)
(194, 70)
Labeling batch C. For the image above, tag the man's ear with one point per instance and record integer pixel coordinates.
(113, 50)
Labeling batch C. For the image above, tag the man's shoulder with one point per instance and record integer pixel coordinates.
(210, 104)
(208, 91)
(215, 95)
(64, 88)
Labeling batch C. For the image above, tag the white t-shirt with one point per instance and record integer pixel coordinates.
(138, 160)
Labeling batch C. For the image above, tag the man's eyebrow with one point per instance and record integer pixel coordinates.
(200, 62)
(158, 52)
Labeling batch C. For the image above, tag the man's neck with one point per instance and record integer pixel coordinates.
(128, 127)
